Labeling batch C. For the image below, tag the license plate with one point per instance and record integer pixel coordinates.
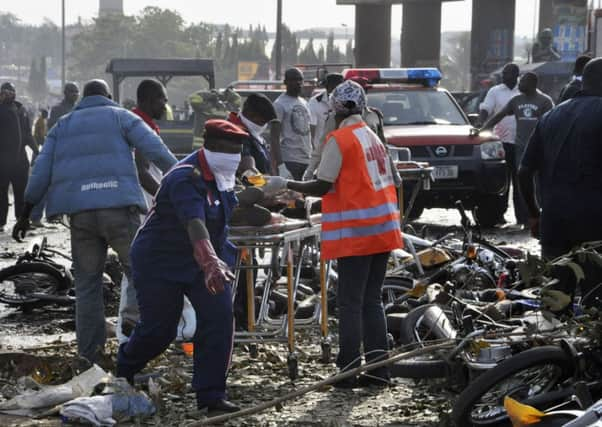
(446, 172)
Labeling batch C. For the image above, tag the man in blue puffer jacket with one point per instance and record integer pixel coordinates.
(87, 170)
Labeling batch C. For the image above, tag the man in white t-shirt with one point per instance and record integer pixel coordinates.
(495, 100)
(291, 135)
(319, 108)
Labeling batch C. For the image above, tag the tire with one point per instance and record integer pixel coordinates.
(490, 209)
(433, 314)
(428, 366)
(28, 278)
(524, 369)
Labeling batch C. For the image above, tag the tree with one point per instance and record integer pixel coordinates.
(333, 53)
(218, 50)
(349, 56)
(37, 85)
(200, 36)
(160, 33)
(321, 55)
(108, 37)
(308, 54)
(290, 47)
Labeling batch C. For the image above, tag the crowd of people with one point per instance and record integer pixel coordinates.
(547, 149)
(107, 169)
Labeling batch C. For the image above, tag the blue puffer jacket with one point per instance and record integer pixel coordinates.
(87, 159)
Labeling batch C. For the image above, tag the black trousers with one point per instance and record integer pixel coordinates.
(15, 174)
(296, 169)
(361, 313)
(513, 157)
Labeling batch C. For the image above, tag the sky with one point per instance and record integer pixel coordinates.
(297, 14)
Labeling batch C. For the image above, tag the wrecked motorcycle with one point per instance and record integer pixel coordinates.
(37, 280)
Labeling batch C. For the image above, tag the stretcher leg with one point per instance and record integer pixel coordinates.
(325, 343)
(250, 282)
(292, 362)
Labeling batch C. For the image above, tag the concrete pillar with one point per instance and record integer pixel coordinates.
(421, 34)
(492, 37)
(546, 14)
(373, 35)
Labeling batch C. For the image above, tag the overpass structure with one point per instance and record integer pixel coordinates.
(492, 34)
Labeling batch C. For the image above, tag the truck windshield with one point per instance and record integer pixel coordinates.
(416, 107)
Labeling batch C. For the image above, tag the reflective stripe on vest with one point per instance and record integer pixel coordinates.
(360, 214)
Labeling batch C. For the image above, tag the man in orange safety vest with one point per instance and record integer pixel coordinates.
(360, 227)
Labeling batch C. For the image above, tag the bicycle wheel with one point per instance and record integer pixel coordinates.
(532, 373)
(19, 283)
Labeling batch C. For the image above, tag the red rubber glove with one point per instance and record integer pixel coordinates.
(217, 273)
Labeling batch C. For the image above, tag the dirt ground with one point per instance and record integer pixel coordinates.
(49, 334)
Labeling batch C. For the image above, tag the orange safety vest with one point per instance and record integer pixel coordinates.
(360, 215)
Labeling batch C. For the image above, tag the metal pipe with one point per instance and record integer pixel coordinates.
(394, 356)
(250, 292)
(278, 39)
(63, 46)
(291, 300)
(323, 299)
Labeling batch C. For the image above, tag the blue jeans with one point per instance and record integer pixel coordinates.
(92, 232)
(360, 311)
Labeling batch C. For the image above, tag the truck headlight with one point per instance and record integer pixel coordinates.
(492, 150)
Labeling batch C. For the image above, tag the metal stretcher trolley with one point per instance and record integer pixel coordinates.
(287, 246)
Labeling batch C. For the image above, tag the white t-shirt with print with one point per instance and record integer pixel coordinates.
(295, 136)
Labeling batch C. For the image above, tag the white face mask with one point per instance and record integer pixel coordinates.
(253, 127)
(223, 166)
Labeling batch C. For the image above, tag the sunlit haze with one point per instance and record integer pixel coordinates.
(297, 14)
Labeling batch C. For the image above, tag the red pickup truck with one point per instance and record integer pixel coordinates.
(426, 119)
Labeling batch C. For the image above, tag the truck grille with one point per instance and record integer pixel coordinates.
(428, 151)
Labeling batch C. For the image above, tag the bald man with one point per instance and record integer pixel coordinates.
(71, 95)
(527, 108)
(291, 135)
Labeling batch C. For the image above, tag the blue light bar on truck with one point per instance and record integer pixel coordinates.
(426, 76)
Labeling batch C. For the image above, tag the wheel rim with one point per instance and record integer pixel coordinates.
(17, 289)
(520, 386)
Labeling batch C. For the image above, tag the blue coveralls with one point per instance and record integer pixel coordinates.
(164, 270)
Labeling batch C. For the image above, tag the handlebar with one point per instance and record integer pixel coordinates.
(36, 247)
(465, 221)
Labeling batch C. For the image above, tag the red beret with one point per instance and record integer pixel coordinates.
(224, 129)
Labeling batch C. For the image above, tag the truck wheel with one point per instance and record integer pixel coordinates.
(490, 210)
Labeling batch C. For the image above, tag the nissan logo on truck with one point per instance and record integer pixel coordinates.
(441, 151)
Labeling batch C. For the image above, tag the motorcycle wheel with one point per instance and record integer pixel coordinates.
(20, 281)
(413, 327)
(532, 373)
(429, 366)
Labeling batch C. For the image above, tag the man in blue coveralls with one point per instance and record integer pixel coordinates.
(181, 249)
